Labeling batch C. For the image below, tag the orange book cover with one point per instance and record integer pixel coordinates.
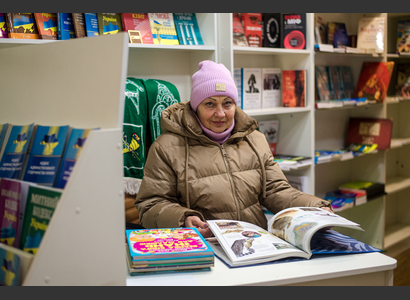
(21, 26)
(374, 80)
(294, 88)
(47, 25)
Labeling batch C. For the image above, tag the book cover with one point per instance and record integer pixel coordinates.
(3, 27)
(41, 203)
(65, 26)
(109, 23)
(374, 80)
(403, 80)
(252, 27)
(335, 82)
(164, 243)
(368, 131)
(251, 88)
(293, 31)
(294, 88)
(138, 27)
(13, 154)
(163, 28)
(10, 268)
(370, 34)
(330, 33)
(72, 150)
(340, 201)
(238, 78)
(371, 189)
(271, 30)
(21, 26)
(238, 33)
(47, 25)
(79, 25)
(322, 83)
(320, 30)
(271, 92)
(270, 129)
(3, 131)
(348, 87)
(10, 193)
(91, 24)
(403, 36)
(340, 38)
(45, 154)
(187, 28)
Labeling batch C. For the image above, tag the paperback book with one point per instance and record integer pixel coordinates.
(252, 26)
(293, 31)
(370, 189)
(403, 80)
(320, 30)
(294, 88)
(91, 24)
(322, 83)
(271, 30)
(10, 268)
(370, 34)
(65, 26)
(109, 23)
(271, 92)
(10, 191)
(187, 28)
(21, 26)
(403, 36)
(335, 82)
(79, 25)
(270, 129)
(138, 27)
(348, 86)
(163, 28)
(238, 33)
(47, 25)
(251, 83)
(3, 27)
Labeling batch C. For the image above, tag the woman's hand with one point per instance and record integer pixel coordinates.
(194, 221)
(327, 209)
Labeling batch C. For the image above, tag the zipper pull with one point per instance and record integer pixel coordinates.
(223, 151)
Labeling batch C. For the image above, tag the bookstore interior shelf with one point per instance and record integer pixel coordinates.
(276, 111)
(269, 51)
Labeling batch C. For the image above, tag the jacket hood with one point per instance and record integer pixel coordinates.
(180, 119)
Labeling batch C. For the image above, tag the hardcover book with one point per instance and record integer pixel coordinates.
(187, 29)
(109, 23)
(238, 33)
(271, 92)
(270, 129)
(340, 38)
(138, 27)
(91, 24)
(335, 82)
(45, 154)
(322, 83)
(163, 28)
(348, 86)
(369, 131)
(65, 26)
(79, 25)
(251, 88)
(293, 31)
(252, 27)
(374, 80)
(41, 203)
(370, 34)
(403, 36)
(294, 88)
(271, 30)
(47, 25)
(13, 153)
(10, 267)
(403, 80)
(3, 27)
(10, 191)
(21, 26)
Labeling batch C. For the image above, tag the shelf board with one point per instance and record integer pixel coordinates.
(350, 54)
(268, 51)
(171, 47)
(396, 184)
(275, 111)
(396, 99)
(395, 234)
(400, 142)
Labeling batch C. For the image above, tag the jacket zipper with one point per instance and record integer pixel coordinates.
(224, 155)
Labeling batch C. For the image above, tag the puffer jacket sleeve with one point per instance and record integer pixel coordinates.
(279, 193)
(157, 200)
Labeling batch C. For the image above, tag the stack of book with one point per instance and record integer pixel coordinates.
(292, 162)
(163, 250)
(370, 189)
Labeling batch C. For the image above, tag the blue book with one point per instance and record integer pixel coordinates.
(45, 155)
(340, 200)
(65, 26)
(347, 81)
(9, 268)
(91, 24)
(73, 147)
(12, 156)
(238, 77)
(187, 29)
(335, 82)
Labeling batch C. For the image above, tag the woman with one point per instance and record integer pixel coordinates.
(211, 162)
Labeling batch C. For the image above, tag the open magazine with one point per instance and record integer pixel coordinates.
(289, 234)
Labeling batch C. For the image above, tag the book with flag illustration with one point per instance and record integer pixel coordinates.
(45, 153)
(21, 26)
(109, 23)
(9, 268)
(163, 28)
(14, 150)
(47, 25)
(187, 28)
(3, 27)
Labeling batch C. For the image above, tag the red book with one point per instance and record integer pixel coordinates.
(374, 80)
(47, 25)
(138, 27)
(252, 26)
(368, 131)
(294, 88)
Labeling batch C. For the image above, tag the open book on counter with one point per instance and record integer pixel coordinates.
(297, 232)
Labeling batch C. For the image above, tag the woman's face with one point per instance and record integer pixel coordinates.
(216, 113)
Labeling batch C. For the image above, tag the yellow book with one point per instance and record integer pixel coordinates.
(163, 28)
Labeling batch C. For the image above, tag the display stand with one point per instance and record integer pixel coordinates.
(80, 83)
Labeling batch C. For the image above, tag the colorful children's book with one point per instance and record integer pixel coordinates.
(3, 27)
(293, 31)
(9, 268)
(79, 25)
(47, 25)
(138, 27)
(403, 36)
(163, 28)
(65, 26)
(41, 203)
(271, 92)
(10, 193)
(187, 28)
(371, 189)
(13, 153)
(91, 24)
(339, 200)
(109, 23)
(271, 130)
(294, 88)
(238, 33)
(21, 26)
(75, 142)
(322, 83)
(271, 30)
(252, 26)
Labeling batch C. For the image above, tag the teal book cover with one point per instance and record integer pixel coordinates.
(45, 155)
(9, 268)
(65, 26)
(15, 151)
(187, 28)
(91, 24)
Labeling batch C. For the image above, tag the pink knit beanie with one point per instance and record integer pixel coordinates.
(212, 79)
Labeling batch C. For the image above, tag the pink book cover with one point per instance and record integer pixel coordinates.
(10, 191)
(138, 22)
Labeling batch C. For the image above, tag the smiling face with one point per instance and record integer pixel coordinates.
(216, 113)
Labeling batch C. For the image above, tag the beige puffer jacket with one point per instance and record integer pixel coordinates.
(188, 174)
